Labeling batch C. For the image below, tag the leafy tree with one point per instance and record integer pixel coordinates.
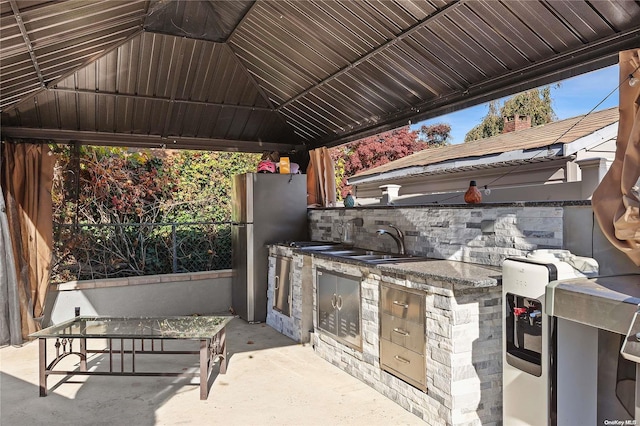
(383, 148)
(435, 135)
(111, 185)
(130, 189)
(491, 125)
(536, 103)
(204, 186)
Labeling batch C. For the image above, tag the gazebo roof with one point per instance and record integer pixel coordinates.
(282, 75)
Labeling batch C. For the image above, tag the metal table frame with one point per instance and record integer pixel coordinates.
(212, 347)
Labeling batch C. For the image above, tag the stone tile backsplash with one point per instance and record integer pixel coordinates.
(484, 235)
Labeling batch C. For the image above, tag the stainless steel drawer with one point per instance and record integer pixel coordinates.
(408, 334)
(403, 363)
(403, 304)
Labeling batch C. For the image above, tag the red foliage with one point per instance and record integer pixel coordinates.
(130, 185)
(383, 148)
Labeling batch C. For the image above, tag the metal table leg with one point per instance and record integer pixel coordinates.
(83, 354)
(43, 365)
(204, 368)
(223, 351)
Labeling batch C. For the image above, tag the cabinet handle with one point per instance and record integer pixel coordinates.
(404, 305)
(339, 305)
(333, 301)
(403, 360)
(401, 331)
(276, 285)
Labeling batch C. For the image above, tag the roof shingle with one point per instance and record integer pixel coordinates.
(563, 131)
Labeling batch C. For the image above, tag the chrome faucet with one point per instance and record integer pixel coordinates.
(399, 238)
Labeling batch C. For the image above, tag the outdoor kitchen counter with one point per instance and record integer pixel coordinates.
(457, 273)
(454, 272)
(455, 322)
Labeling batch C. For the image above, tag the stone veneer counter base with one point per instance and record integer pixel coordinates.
(463, 330)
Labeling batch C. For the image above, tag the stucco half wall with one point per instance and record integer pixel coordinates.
(155, 295)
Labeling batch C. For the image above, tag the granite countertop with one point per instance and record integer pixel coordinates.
(458, 273)
(455, 272)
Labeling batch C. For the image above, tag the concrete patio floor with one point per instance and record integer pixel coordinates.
(270, 380)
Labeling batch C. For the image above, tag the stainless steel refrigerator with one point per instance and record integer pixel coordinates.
(266, 208)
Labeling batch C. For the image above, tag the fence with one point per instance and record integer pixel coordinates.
(91, 251)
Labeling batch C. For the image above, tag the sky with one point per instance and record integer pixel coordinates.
(575, 96)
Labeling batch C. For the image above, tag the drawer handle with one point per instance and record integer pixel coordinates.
(276, 286)
(404, 305)
(403, 360)
(401, 331)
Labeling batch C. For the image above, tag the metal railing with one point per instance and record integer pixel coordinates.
(92, 251)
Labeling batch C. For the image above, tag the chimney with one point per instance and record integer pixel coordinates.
(515, 123)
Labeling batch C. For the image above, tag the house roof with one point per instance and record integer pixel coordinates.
(556, 139)
(259, 75)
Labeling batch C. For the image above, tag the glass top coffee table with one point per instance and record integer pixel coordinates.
(134, 337)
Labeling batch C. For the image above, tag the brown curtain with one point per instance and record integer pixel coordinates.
(321, 179)
(27, 176)
(616, 200)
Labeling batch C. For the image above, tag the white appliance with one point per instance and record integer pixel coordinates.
(528, 333)
(266, 208)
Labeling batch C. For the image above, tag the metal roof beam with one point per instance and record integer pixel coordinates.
(27, 40)
(406, 33)
(157, 98)
(590, 57)
(241, 21)
(143, 141)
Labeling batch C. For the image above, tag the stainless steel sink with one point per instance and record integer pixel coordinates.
(398, 258)
(315, 245)
(356, 253)
(318, 248)
(387, 257)
(349, 253)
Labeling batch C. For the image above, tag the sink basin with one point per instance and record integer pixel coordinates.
(375, 257)
(315, 245)
(349, 253)
(364, 255)
(387, 258)
(318, 248)
(398, 258)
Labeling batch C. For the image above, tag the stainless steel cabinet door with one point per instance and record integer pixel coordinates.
(348, 306)
(327, 312)
(282, 286)
(338, 304)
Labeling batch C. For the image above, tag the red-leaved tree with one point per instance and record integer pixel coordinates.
(383, 148)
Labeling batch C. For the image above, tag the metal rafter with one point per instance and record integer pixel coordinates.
(241, 21)
(158, 98)
(241, 64)
(406, 33)
(250, 76)
(147, 141)
(593, 56)
(253, 80)
(27, 41)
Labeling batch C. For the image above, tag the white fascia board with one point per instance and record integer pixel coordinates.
(592, 140)
(467, 162)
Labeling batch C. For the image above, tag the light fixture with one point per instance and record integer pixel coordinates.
(633, 81)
